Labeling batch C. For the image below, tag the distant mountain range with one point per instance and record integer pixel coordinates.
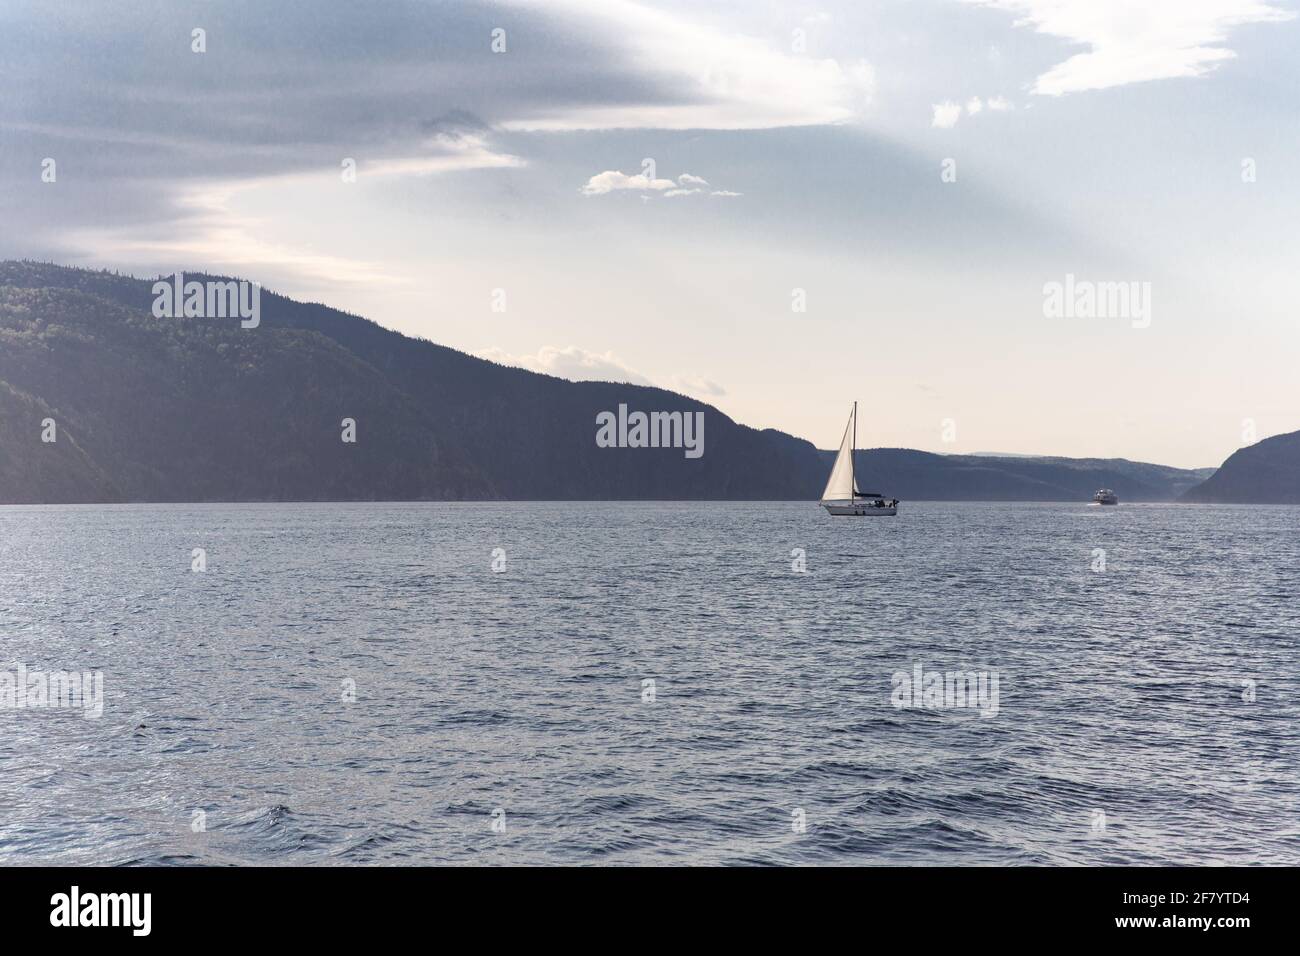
(199, 409)
(919, 475)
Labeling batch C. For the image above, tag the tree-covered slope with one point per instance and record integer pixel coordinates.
(202, 409)
(1267, 472)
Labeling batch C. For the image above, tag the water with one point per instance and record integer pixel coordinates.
(1123, 732)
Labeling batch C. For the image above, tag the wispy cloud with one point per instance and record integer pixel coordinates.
(443, 154)
(580, 365)
(574, 363)
(713, 79)
(697, 386)
(203, 223)
(207, 231)
(1132, 42)
(947, 113)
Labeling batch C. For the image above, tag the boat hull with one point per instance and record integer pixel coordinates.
(859, 509)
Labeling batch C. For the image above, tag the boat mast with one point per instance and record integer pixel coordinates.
(853, 453)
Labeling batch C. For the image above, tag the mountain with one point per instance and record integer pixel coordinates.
(34, 472)
(920, 476)
(1267, 472)
(200, 409)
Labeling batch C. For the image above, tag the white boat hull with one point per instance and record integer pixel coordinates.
(860, 508)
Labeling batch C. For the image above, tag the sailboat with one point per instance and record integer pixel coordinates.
(842, 496)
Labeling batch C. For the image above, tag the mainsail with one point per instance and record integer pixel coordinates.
(840, 487)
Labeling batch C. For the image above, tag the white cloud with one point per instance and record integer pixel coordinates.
(443, 154)
(946, 115)
(720, 80)
(579, 365)
(686, 185)
(210, 228)
(611, 180)
(210, 222)
(1130, 41)
(573, 363)
(697, 386)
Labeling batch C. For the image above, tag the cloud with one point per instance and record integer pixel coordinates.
(121, 99)
(442, 154)
(612, 180)
(579, 365)
(697, 386)
(695, 76)
(209, 231)
(214, 223)
(946, 115)
(573, 363)
(1131, 42)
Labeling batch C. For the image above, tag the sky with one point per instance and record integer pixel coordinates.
(778, 208)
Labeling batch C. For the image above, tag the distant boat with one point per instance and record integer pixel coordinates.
(1106, 497)
(842, 496)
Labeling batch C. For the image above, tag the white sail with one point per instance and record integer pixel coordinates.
(840, 485)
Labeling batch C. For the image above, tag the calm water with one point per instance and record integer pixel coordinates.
(1123, 732)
